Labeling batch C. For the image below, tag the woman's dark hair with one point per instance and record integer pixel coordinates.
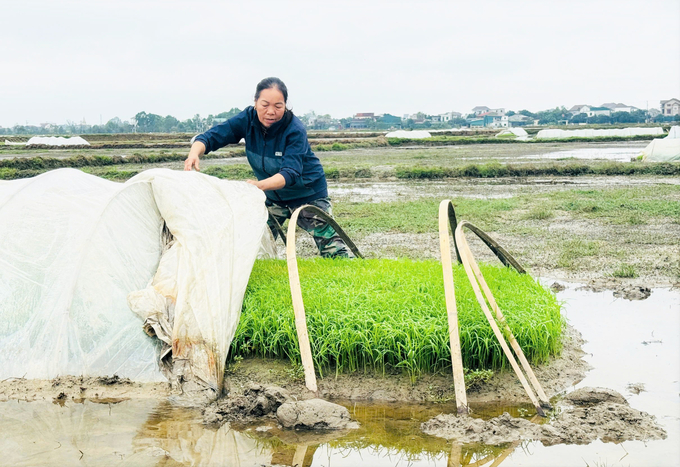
(269, 83)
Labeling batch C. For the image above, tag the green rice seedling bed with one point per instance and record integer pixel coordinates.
(390, 315)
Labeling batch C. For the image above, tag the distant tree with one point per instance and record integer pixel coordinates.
(510, 113)
(600, 119)
(391, 120)
(579, 118)
(526, 113)
(231, 113)
(148, 123)
(169, 124)
(552, 116)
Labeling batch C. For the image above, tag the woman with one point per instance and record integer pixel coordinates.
(279, 153)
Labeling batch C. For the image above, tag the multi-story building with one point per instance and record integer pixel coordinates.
(670, 107)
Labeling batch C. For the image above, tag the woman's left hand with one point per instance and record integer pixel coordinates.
(274, 182)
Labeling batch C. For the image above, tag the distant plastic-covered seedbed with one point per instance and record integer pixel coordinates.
(415, 134)
(56, 141)
(592, 133)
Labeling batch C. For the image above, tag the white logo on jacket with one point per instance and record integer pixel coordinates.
(277, 153)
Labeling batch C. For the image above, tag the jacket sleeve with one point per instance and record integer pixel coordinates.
(294, 153)
(229, 132)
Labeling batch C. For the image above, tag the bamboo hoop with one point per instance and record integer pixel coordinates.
(446, 212)
(296, 291)
(508, 332)
(468, 260)
(298, 305)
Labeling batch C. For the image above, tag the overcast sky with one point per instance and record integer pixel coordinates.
(68, 60)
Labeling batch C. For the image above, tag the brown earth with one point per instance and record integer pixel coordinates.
(558, 375)
(582, 417)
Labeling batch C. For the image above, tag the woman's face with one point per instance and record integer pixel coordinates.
(270, 106)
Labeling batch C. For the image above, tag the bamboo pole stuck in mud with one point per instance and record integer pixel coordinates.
(445, 214)
(468, 260)
(298, 304)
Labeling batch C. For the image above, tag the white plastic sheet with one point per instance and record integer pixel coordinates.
(662, 150)
(74, 246)
(57, 141)
(520, 133)
(592, 133)
(413, 134)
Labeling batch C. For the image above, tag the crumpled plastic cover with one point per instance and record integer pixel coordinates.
(73, 247)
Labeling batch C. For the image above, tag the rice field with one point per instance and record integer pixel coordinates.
(389, 315)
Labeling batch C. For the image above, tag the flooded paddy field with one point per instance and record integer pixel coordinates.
(613, 242)
(501, 153)
(631, 347)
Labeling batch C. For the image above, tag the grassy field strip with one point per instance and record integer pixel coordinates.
(106, 167)
(386, 315)
(633, 205)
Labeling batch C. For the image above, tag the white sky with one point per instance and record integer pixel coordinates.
(68, 60)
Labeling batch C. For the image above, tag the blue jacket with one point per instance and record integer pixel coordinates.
(283, 149)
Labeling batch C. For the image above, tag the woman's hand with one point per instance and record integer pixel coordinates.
(274, 182)
(197, 149)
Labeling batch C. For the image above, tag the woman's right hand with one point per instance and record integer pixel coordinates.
(197, 149)
(192, 162)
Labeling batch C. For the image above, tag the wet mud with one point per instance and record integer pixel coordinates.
(77, 388)
(562, 372)
(582, 417)
(632, 346)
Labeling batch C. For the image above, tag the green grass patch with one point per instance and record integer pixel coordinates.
(625, 271)
(540, 213)
(417, 216)
(569, 168)
(8, 174)
(230, 172)
(387, 315)
(574, 249)
(80, 160)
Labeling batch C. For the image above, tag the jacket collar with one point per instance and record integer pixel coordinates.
(275, 128)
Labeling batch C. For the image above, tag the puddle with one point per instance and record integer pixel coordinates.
(632, 345)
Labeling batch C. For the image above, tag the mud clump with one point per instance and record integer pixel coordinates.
(601, 414)
(618, 288)
(607, 421)
(110, 380)
(557, 287)
(258, 402)
(314, 414)
(255, 403)
(592, 396)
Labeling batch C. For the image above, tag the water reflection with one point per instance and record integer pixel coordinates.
(149, 432)
(630, 343)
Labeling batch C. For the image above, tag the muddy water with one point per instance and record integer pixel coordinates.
(482, 188)
(632, 345)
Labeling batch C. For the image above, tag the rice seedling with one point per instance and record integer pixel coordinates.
(389, 315)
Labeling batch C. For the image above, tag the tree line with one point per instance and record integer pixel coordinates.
(144, 122)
